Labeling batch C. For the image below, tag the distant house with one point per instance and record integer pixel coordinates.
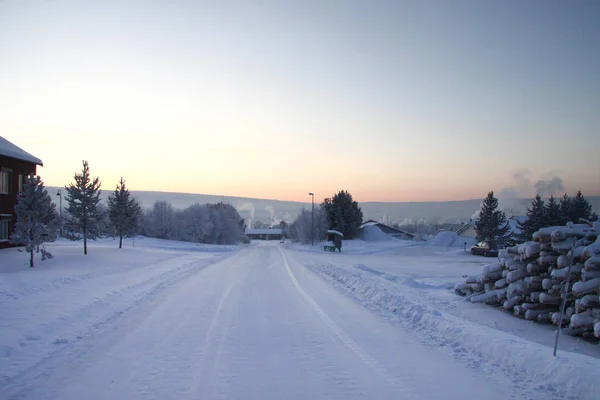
(265, 234)
(448, 227)
(394, 232)
(15, 165)
(468, 230)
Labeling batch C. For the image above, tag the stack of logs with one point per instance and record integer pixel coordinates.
(529, 279)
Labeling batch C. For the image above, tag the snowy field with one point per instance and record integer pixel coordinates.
(268, 321)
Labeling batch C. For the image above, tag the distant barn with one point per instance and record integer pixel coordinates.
(15, 165)
(264, 234)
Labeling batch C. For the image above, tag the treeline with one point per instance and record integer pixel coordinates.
(492, 224)
(218, 223)
(555, 213)
(38, 221)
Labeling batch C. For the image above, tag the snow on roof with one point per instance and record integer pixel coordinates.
(250, 231)
(336, 232)
(464, 227)
(369, 223)
(380, 224)
(8, 149)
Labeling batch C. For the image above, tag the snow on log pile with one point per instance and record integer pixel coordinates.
(529, 279)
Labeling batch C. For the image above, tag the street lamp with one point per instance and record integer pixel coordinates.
(312, 220)
(59, 194)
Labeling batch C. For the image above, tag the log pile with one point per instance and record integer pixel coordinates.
(529, 279)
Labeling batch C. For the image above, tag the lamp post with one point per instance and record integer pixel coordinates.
(312, 220)
(59, 194)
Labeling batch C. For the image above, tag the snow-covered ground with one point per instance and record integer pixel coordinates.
(268, 321)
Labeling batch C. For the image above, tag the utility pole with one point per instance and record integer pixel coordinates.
(59, 194)
(312, 220)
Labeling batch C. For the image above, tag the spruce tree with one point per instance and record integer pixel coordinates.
(83, 199)
(566, 203)
(37, 219)
(554, 216)
(492, 225)
(535, 219)
(343, 214)
(579, 208)
(124, 212)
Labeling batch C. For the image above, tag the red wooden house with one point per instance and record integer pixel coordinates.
(15, 165)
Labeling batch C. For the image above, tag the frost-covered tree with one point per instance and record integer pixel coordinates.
(124, 212)
(535, 219)
(227, 224)
(260, 225)
(84, 214)
(161, 221)
(196, 224)
(343, 214)
(37, 219)
(492, 225)
(283, 226)
(553, 214)
(105, 227)
(302, 225)
(201, 223)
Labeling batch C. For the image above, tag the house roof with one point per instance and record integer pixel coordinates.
(464, 228)
(375, 223)
(369, 223)
(11, 150)
(335, 232)
(452, 227)
(276, 231)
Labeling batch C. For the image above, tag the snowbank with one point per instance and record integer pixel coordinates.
(569, 374)
(374, 234)
(445, 239)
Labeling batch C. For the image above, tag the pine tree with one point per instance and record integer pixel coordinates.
(566, 204)
(492, 225)
(535, 219)
(343, 214)
(83, 199)
(579, 208)
(124, 212)
(554, 216)
(37, 219)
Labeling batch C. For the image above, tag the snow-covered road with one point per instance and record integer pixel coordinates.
(255, 324)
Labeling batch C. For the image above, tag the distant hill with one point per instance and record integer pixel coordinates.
(275, 210)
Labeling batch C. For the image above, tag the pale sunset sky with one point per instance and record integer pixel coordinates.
(391, 100)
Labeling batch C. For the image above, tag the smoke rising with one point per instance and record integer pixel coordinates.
(271, 212)
(523, 187)
(550, 187)
(250, 208)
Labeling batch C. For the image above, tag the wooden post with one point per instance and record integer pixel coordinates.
(564, 303)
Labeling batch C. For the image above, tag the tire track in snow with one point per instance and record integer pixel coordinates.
(20, 384)
(210, 352)
(345, 339)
